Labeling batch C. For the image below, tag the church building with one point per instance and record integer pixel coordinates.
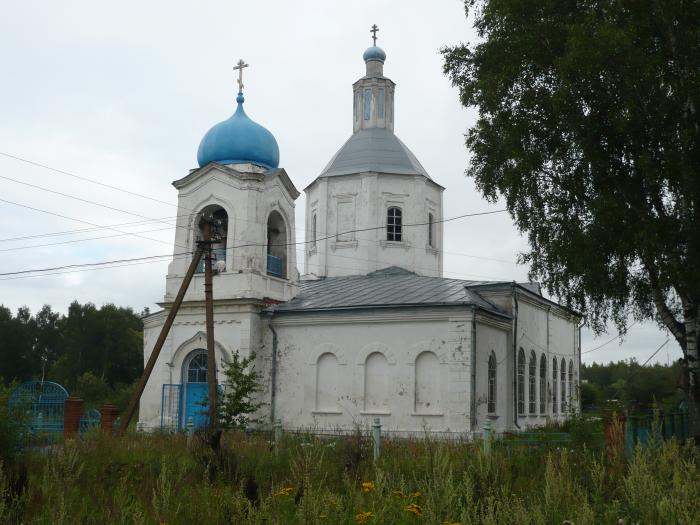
(372, 329)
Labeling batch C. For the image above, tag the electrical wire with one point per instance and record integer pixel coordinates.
(610, 340)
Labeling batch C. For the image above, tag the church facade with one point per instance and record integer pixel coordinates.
(372, 329)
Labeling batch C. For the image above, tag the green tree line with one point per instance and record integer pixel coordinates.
(94, 352)
(629, 384)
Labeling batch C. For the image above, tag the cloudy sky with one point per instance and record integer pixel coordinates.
(123, 92)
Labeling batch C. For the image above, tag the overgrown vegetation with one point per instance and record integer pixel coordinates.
(96, 353)
(147, 478)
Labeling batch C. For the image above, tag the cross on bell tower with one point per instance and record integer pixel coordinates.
(374, 34)
(239, 67)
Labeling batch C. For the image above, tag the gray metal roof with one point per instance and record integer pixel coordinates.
(377, 150)
(388, 287)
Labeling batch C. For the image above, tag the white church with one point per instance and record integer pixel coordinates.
(372, 329)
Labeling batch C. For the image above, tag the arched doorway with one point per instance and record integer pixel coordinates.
(195, 388)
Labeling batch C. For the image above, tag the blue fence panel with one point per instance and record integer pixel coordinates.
(90, 420)
(39, 405)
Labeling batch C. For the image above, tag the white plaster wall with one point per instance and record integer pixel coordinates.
(236, 327)
(547, 330)
(370, 195)
(494, 338)
(400, 337)
(248, 198)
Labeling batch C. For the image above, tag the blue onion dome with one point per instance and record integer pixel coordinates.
(239, 140)
(374, 53)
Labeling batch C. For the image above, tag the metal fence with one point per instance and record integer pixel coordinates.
(38, 405)
(659, 425)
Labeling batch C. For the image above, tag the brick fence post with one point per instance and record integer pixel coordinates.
(72, 412)
(108, 413)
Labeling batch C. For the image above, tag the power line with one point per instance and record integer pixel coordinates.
(83, 221)
(228, 248)
(86, 179)
(610, 340)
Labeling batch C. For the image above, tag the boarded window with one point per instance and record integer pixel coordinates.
(380, 103)
(376, 383)
(427, 383)
(346, 221)
(368, 103)
(327, 383)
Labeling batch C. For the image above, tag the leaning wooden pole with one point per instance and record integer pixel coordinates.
(159, 343)
(209, 313)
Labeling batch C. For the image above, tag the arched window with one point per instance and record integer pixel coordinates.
(393, 224)
(431, 230)
(276, 245)
(427, 385)
(532, 383)
(218, 220)
(521, 382)
(376, 383)
(194, 369)
(492, 384)
(563, 386)
(327, 382)
(555, 381)
(543, 384)
(571, 382)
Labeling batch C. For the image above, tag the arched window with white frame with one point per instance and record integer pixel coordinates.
(555, 381)
(521, 382)
(492, 385)
(543, 384)
(563, 386)
(532, 383)
(571, 382)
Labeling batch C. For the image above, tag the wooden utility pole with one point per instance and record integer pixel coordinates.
(129, 414)
(209, 313)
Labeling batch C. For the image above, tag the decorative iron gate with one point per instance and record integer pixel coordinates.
(39, 404)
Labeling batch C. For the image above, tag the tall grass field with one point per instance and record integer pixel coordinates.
(153, 479)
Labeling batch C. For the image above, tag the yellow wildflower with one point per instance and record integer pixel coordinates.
(286, 491)
(362, 517)
(413, 509)
(398, 494)
(368, 486)
(416, 494)
(451, 523)
(323, 516)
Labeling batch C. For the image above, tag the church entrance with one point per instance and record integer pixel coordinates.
(195, 389)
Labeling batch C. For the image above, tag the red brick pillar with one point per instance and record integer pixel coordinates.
(72, 412)
(108, 413)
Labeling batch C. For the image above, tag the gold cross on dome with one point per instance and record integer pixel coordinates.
(239, 67)
(374, 33)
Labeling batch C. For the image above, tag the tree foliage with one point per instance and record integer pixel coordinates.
(588, 128)
(86, 349)
(238, 404)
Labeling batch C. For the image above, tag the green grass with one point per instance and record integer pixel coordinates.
(161, 478)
